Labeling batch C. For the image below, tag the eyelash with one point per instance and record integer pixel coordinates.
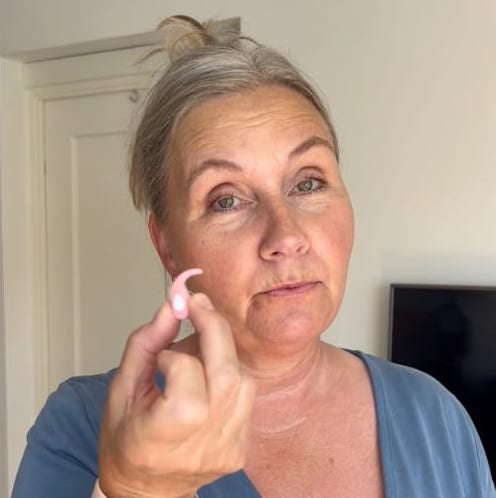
(212, 204)
(322, 181)
(218, 198)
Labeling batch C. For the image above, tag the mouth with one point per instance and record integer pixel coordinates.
(291, 289)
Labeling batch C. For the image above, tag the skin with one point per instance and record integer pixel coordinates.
(256, 200)
(290, 210)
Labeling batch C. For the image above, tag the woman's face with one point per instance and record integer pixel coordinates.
(256, 200)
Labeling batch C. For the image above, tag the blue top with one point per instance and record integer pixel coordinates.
(429, 446)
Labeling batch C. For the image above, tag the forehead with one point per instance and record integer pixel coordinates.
(267, 116)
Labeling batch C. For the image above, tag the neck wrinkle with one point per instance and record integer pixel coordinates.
(286, 374)
(291, 403)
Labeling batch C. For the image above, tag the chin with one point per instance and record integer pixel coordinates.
(291, 327)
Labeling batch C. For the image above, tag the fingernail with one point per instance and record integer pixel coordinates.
(203, 301)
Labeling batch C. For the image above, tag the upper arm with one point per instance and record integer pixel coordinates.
(60, 459)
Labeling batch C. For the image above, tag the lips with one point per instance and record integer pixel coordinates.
(291, 289)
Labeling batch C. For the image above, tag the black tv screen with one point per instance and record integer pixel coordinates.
(450, 333)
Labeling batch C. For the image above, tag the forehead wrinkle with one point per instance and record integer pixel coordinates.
(208, 118)
(210, 132)
(212, 140)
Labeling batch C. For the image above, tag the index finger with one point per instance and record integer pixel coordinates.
(139, 360)
(217, 346)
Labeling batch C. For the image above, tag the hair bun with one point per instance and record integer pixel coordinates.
(183, 34)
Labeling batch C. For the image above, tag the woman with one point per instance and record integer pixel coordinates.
(236, 161)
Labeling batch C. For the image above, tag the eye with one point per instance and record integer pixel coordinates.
(225, 203)
(311, 184)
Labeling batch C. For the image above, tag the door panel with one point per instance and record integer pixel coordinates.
(104, 278)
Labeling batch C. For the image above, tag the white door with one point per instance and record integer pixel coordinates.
(104, 278)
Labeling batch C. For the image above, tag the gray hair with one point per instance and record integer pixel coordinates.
(203, 66)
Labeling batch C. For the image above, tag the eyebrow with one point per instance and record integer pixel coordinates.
(313, 141)
(225, 164)
(211, 164)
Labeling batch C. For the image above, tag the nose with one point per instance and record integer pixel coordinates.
(284, 234)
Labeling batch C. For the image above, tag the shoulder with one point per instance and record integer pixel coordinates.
(77, 402)
(414, 395)
(393, 379)
(69, 423)
(423, 426)
(61, 455)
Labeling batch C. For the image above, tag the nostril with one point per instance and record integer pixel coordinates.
(280, 243)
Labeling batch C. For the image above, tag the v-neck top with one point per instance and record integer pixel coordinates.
(428, 444)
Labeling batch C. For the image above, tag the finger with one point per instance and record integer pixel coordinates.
(139, 360)
(185, 396)
(217, 347)
(238, 425)
(243, 409)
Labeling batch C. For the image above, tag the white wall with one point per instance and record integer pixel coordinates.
(413, 96)
(411, 87)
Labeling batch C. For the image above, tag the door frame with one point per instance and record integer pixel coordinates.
(25, 329)
(129, 78)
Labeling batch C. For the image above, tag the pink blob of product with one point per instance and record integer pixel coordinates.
(179, 294)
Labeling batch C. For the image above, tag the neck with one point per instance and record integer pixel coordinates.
(290, 389)
(292, 386)
(282, 372)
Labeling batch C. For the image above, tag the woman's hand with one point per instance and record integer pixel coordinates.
(168, 444)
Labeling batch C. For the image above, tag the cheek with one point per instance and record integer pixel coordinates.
(346, 225)
(211, 252)
(345, 235)
(338, 234)
(225, 266)
(333, 247)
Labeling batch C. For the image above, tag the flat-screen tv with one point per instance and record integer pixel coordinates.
(450, 333)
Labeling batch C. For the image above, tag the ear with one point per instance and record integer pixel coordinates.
(161, 243)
